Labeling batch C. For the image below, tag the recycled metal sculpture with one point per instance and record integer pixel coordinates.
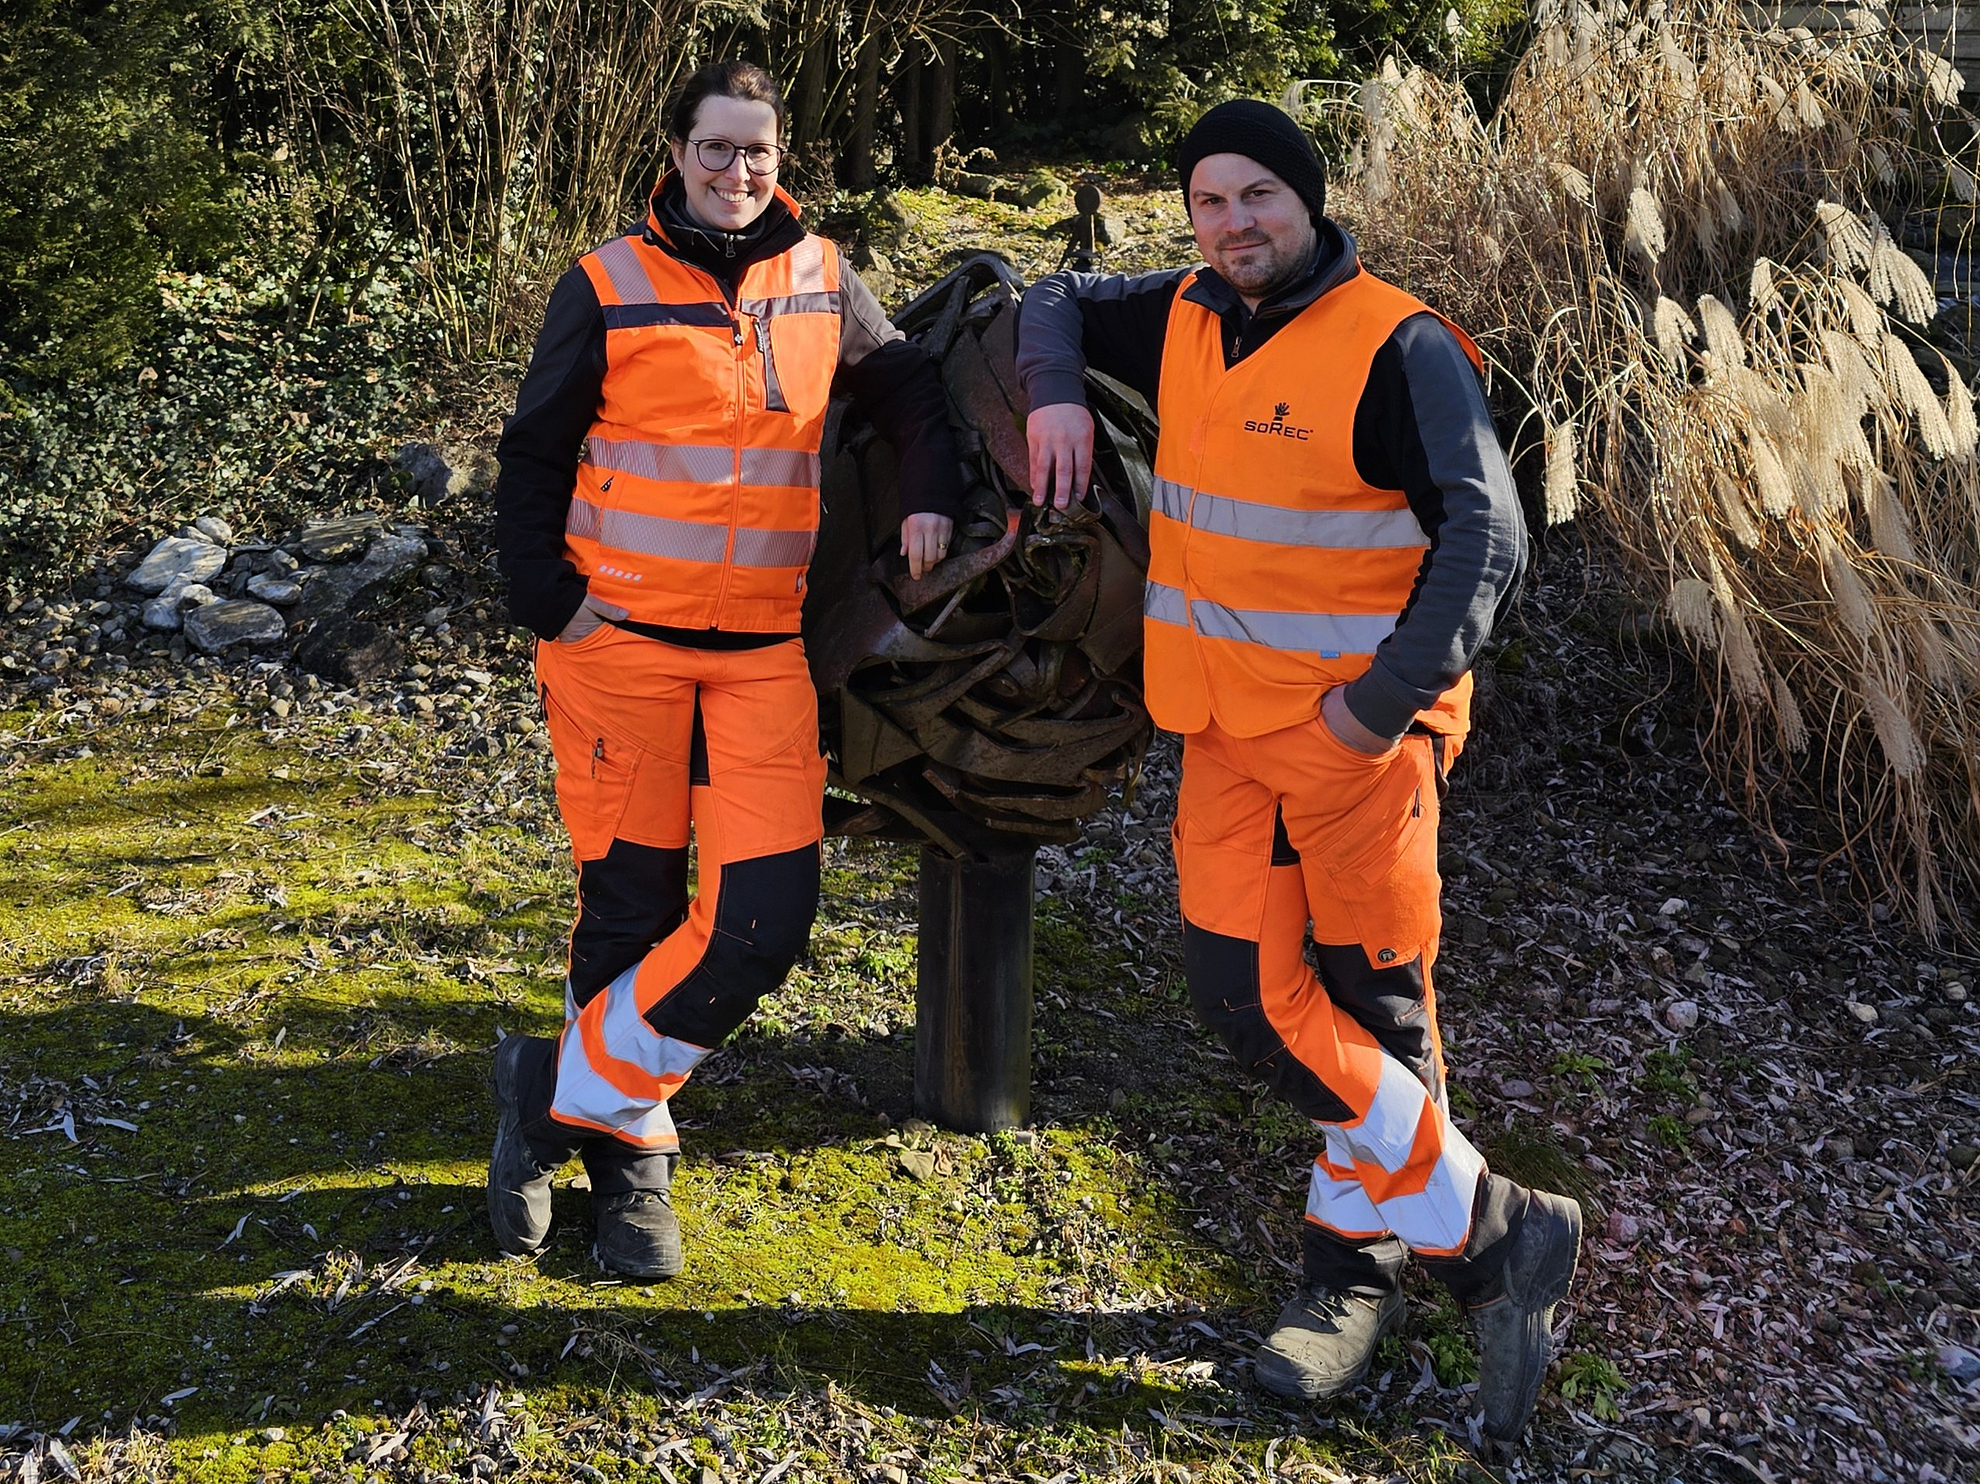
(992, 705)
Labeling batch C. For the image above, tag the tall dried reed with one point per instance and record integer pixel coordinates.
(1671, 236)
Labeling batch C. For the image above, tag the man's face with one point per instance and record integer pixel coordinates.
(731, 198)
(1250, 225)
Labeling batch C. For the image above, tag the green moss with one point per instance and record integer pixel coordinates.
(286, 972)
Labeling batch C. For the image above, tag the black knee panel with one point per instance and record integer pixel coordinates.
(1223, 985)
(1389, 1003)
(763, 914)
(628, 900)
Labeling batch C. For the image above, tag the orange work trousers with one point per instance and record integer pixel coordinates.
(654, 742)
(1293, 828)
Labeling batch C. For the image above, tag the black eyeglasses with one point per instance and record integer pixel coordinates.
(718, 154)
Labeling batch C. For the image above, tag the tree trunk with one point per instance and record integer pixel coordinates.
(914, 147)
(997, 80)
(942, 97)
(860, 173)
(1068, 79)
(811, 89)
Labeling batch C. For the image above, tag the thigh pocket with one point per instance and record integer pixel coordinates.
(595, 777)
(1386, 872)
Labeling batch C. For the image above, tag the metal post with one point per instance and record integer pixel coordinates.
(972, 1003)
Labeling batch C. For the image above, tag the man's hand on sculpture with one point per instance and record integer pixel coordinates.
(1349, 732)
(591, 613)
(1061, 439)
(925, 541)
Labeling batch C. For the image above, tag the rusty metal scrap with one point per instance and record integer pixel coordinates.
(996, 702)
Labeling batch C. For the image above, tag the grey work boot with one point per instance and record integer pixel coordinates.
(1515, 1329)
(518, 1187)
(638, 1234)
(1324, 1341)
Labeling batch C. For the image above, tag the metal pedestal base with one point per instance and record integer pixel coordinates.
(972, 1004)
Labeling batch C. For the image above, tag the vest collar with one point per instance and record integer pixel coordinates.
(669, 225)
(1335, 261)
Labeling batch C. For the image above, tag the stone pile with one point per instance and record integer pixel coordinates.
(312, 593)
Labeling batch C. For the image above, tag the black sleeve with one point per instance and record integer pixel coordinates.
(555, 408)
(894, 385)
(1110, 321)
(1423, 427)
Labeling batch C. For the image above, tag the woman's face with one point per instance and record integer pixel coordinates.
(731, 198)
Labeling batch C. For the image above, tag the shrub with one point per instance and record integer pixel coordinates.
(1673, 235)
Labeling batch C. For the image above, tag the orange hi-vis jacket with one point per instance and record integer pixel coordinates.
(697, 496)
(1274, 571)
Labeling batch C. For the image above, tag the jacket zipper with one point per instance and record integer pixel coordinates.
(735, 457)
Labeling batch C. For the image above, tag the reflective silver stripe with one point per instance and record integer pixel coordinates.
(629, 281)
(1164, 604)
(1250, 520)
(686, 463)
(585, 1095)
(818, 303)
(582, 520)
(1365, 530)
(808, 266)
(660, 536)
(774, 548)
(1172, 499)
(791, 466)
(1329, 635)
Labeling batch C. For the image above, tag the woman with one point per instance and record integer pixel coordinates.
(656, 512)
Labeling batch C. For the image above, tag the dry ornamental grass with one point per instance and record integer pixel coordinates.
(1672, 239)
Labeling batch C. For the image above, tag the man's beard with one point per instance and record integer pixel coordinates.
(1259, 275)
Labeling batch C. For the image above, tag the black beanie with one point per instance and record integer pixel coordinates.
(1261, 132)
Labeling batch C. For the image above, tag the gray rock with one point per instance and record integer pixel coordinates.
(1681, 1015)
(220, 626)
(278, 563)
(281, 591)
(440, 474)
(1960, 1363)
(1517, 1088)
(194, 560)
(348, 651)
(214, 529)
(331, 589)
(1038, 189)
(974, 184)
(338, 540)
(165, 611)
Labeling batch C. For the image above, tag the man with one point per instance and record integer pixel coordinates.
(1334, 532)
(655, 517)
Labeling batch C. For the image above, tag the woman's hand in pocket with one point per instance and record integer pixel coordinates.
(591, 613)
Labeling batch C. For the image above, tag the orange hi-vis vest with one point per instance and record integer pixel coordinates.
(697, 494)
(1274, 571)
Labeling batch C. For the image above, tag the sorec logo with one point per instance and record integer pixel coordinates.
(1278, 427)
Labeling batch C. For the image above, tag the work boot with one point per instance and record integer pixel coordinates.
(1515, 1328)
(638, 1234)
(518, 1186)
(1324, 1342)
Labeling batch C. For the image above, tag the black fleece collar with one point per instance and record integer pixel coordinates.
(723, 255)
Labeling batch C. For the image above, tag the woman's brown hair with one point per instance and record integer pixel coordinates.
(744, 80)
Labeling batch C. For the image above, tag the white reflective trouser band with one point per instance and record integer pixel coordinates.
(1329, 635)
(1434, 1218)
(686, 540)
(700, 463)
(586, 1096)
(1248, 520)
(629, 281)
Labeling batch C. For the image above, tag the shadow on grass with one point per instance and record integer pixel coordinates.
(259, 1240)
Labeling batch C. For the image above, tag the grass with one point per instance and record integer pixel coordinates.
(251, 976)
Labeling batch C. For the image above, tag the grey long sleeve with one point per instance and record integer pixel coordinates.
(1423, 427)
